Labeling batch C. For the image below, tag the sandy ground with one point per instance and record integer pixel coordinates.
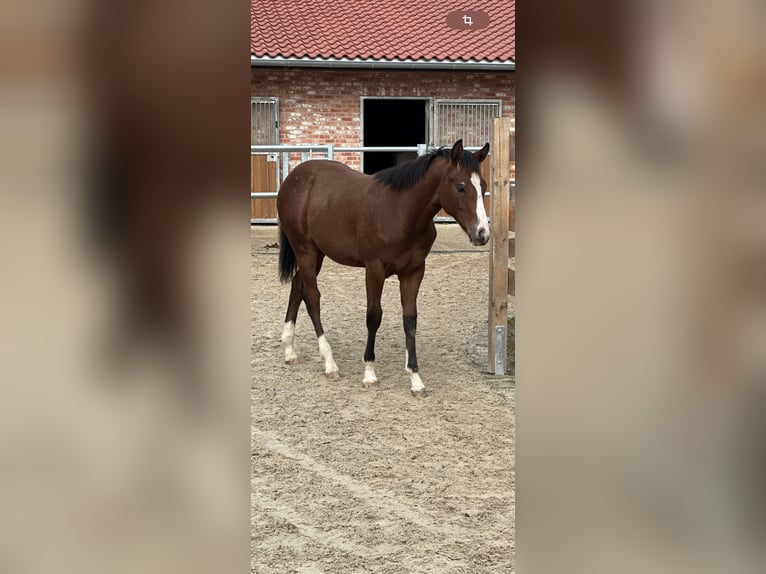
(352, 480)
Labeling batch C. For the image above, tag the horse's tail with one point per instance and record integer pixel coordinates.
(287, 262)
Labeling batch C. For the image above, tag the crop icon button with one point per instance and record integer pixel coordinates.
(467, 20)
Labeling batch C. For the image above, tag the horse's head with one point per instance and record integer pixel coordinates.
(461, 192)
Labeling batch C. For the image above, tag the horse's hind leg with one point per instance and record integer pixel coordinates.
(309, 265)
(288, 334)
(293, 306)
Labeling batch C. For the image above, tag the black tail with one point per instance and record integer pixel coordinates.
(287, 262)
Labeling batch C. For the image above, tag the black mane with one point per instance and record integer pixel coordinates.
(410, 173)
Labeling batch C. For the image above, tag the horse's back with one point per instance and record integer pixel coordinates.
(318, 185)
(321, 171)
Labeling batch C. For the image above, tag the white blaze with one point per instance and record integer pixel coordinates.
(481, 213)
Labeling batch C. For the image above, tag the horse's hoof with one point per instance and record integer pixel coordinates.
(371, 385)
(419, 394)
(291, 361)
(332, 376)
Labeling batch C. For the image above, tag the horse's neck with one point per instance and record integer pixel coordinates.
(423, 199)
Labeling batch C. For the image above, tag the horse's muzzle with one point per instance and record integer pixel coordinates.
(481, 237)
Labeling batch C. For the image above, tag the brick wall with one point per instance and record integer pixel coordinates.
(321, 106)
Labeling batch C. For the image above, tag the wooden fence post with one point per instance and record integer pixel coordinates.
(498, 264)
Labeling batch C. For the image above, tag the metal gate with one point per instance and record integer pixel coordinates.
(470, 120)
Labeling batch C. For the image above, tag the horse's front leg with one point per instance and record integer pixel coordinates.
(375, 276)
(409, 284)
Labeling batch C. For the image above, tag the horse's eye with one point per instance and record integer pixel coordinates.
(461, 187)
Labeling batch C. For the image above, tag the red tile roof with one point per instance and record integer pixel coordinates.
(379, 29)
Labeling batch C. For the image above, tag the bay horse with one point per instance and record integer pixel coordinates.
(382, 222)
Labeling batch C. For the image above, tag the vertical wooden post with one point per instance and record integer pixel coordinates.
(498, 252)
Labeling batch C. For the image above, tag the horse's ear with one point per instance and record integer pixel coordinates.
(457, 152)
(481, 155)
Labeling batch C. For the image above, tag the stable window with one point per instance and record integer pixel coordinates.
(264, 121)
(469, 120)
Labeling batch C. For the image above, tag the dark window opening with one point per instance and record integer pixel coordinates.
(393, 122)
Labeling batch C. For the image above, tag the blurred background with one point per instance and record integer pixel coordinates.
(641, 286)
(124, 419)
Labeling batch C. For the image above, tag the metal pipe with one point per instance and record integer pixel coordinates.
(329, 148)
(380, 64)
(416, 149)
(288, 148)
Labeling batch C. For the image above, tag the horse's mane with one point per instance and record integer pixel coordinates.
(410, 173)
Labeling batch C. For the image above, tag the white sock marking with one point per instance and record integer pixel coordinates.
(288, 336)
(326, 353)
(369, 373)
(416, 384)
(481, 213)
